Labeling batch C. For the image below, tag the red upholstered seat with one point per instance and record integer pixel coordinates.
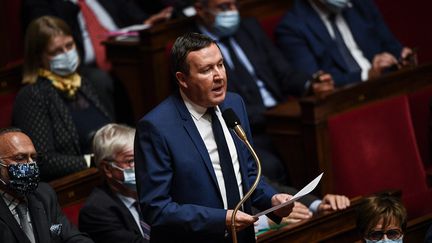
(421, 116)
(6, 106)
(374, 148)
(72, 212)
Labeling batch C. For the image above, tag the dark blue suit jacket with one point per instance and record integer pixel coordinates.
(308, 46)
(177, 186)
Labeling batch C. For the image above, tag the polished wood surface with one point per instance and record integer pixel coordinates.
(299, 127)
(142, 64)
(76, 187)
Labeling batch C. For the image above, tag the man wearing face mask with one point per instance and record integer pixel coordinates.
(29, 211)
(346, 38)
(111, 212)
(256, 70)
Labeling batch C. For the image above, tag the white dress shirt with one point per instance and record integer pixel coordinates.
(129, 203)
(202, 121)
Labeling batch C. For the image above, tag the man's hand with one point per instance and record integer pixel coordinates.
(163, 15)
(380, 62)
(408, 58)
(299, 212)
(242, 221)
(322, 83)
(332, 202)
(279, 199)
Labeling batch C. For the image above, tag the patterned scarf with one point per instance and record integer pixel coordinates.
(68, 84)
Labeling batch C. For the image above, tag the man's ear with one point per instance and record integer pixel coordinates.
(105, 167)
(181, 78)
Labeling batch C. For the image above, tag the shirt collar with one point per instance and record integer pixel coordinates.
(206, 32)
(195, 110)
(128, 201)
(11, 201)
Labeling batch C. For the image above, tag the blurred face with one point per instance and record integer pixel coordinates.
(124, 159)
(206, 82)
(391, 232)
(207, 13)
(15, 147)
(58, 44)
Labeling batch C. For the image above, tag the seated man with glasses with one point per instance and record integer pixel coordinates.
(111, 212)
(29, 210)
(382, 218)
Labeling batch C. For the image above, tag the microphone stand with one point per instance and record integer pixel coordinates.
(241, 134)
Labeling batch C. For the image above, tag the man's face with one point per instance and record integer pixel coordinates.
(15, 147)
(207, 13)
(123, 159)
(206, 83)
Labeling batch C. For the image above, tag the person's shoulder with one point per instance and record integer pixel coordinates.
(166, 111)
(98, 198)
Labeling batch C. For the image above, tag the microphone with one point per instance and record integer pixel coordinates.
(233, 122)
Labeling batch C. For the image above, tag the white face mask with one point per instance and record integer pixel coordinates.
(129, 177)
(65, 64)
(226, 23)
(336, 6)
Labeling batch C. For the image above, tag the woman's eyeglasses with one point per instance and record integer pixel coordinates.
(392, 234)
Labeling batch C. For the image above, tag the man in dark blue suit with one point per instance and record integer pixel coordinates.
(346, 38)
(185, 186)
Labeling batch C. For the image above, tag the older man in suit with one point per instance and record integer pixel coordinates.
(191, 170)
(257, 72)
(111, 212)
(29, 211)
(346, 38)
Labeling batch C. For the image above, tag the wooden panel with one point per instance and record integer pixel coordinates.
(76, 187)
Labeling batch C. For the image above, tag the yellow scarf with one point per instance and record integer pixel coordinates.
(68, 84)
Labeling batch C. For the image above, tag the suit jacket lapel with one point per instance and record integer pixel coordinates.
(39, 219)
(315, 24)
(6, 216)
(192, 130)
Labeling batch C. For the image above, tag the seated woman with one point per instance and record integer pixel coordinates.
(382, 218)
(58, 109)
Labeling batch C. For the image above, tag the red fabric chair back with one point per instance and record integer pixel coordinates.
(374, 148)
(269, 25)
(6, 106)
(72, 212)
(421, 117)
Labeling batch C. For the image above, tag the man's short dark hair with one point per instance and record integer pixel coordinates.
(183, 46)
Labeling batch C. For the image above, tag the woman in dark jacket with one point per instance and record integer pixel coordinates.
(58, 108)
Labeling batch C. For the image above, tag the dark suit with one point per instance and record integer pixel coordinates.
(40, 111)
(177, 185)
(106, 219)
(306, 43)
(123, 13)
(44, 212)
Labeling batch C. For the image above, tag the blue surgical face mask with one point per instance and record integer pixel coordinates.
(23, 177)
(336, 6)
(128, 175)
(226, 23)
(65, 64)
(385, 241)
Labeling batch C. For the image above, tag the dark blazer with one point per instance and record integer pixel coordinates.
(40, 112)
(44, 212)
(123, 13)
(279, 77)
(177, 186)
(106, 219)
(307, 45)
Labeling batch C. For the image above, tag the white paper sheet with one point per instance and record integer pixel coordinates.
(306, 190)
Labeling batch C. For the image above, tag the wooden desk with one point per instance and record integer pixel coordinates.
(299, 128)
(76, 187)
(143, 66)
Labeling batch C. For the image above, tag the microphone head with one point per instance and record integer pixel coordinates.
(230, 118)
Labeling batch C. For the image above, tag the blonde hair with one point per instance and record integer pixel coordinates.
(110, 140)
(38, 35)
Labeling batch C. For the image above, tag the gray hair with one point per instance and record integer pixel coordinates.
(110, 140)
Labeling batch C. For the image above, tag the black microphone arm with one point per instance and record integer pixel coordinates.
(233, 122)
